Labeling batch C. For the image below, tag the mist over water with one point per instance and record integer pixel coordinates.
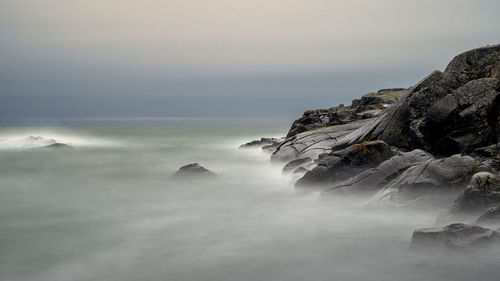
(108, 210)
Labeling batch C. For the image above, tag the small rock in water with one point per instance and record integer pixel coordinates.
(58, 145)
(453, 236)
(193, 170)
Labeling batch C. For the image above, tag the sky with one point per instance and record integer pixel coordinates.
(220, 61)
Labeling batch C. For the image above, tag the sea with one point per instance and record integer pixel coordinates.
(108, 209)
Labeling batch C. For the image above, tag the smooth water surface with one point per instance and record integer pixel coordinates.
(108, 210)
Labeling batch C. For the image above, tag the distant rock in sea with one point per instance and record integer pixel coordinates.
(193, 170)
(58, 145)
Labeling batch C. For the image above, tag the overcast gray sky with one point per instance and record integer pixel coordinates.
(260, 61)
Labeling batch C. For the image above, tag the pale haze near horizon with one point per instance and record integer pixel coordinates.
(244, 61)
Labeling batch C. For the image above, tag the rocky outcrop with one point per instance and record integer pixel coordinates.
(260, 143)
(410, 176)
(193, 170)
(452, 114)
(313, 143)
(375, 179)
(342, 164)
(448, 112)
(369, 106)
(453, 237)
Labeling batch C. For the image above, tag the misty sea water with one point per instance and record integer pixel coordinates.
(108, 210)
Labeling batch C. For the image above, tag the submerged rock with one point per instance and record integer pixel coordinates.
(453, 236)
(193, 170)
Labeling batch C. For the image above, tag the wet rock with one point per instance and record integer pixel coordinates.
(342, 164)
(294, 164)
(375, 179)
(313, 143)
(453, 236)
(433, 181)
(482, 193)
(270, 148)
(193, 170)
(260, 143)
(300, 170)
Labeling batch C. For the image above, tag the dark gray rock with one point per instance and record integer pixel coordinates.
(375, 179)
(489, 156)
(369, 106)
(270, 148)
(433, 181)
(482, 193)
(460, 121)
(58, 145)
(313, 143)
(345, 163)
(405, 124)
(294, 164)
(454, 236)
(260, 143)
(193, 170)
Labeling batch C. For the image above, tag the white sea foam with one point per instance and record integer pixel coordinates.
(40, 138)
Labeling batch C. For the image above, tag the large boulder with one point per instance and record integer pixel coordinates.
(454, 236)
(464, 119)
(409, 123)
(433, 181)
(193, 170)
(375, 179)
(342, 164)
(482, 193)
